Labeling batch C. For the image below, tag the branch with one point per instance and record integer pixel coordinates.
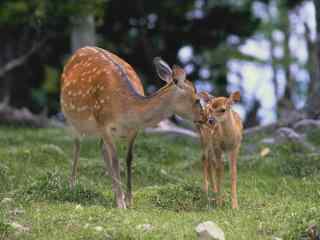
(20, 60)
(167, 127)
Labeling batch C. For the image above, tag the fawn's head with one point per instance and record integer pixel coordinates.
(187, 103)
(217, 109)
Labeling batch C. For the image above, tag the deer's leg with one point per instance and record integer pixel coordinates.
(205, 166)
(129, 167)
(220, 176)
(75, 162)
(212, 172)
(114, 172)
(233, 155)
(105, 156)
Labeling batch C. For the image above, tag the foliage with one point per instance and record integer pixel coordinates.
(5, 230)
(180, 198)
(299, 162)
(135, 30)
(45, 12)
(54, 187)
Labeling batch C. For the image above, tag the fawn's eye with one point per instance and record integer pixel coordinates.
(222, 110)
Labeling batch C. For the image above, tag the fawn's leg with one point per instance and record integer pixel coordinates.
(75, 161)
(129, 167)
(233, 155)
(220, 176)
(212, 171)
(114, 172)
(205, 169)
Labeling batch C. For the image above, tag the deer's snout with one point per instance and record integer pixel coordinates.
(211, 120)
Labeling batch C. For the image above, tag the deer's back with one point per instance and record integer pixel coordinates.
(94, 85)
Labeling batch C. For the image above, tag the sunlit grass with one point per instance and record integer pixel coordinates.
(278, 194)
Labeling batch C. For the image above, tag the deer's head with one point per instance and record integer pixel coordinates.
(186, 103)
(217, 109)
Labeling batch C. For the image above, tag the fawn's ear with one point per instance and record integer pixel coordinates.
(204, 98)
(234, 97)
(163, 69)
(178, 75)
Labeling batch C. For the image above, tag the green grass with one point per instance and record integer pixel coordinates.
(279, 194)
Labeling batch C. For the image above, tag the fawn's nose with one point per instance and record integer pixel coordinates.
(211, 121)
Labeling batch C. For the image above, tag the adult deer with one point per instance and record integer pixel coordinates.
(102, 96)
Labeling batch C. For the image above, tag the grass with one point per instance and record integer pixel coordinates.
(279, 194)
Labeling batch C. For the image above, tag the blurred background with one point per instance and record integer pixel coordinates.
(265, 48)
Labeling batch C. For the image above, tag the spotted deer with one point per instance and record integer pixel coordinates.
(102, 96)
(221, 133)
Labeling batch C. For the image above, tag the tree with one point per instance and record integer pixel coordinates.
(313, 101)
(136, 30)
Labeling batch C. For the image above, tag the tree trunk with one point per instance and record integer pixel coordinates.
(251, 118)
(274, 73)
(311, 64)
(83, 32)
(313, 102)
(285, 103)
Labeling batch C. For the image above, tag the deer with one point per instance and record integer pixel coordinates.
(103, 97)
(220, 133)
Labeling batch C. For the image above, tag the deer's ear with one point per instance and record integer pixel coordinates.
(163, 69)
(178, 75)
(235, 97)
(204, 98)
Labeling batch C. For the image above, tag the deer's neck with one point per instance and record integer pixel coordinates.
(152, 109)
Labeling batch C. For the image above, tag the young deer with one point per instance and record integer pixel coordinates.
(102, 96)
(222, 133)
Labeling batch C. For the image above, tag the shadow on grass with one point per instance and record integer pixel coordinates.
(5, 231)
(174, 197)
(53, 186)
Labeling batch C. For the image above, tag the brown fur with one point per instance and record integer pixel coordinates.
(223, 135)
(102, 96)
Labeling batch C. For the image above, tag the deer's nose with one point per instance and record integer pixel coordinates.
(211, 121)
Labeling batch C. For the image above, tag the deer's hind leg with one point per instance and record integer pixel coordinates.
(114, 166)
(233, 155)
(75, 162)
(129, 159)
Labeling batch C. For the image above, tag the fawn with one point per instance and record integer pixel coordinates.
(221, 133)
(102, 96)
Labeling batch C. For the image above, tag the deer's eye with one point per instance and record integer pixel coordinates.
(222, 110)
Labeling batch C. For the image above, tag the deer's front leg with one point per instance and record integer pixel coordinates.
(205, 169)
(233, 155)
(219, 176)
(213, 171)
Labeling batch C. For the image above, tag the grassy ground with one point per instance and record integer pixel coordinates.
(279, 195)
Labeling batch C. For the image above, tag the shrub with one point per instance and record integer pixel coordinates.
(299, 223)
(5, 230)
(53, 186)
(178, 198)
(297, 161)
